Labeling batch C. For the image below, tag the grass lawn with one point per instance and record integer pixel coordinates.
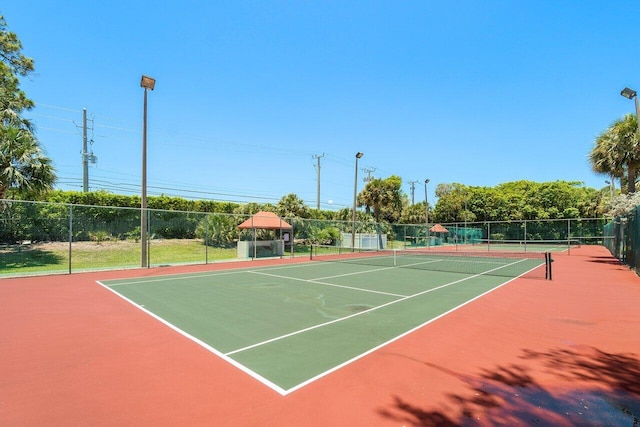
(54, 256)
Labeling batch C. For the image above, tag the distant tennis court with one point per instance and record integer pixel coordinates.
(289, 325)
(559, 245)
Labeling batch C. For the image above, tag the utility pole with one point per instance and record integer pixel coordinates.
(318, 157)
(85, 160)
(413, 190)
(87, 156)
(368, 178)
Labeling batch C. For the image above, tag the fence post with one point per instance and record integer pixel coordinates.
(569, 236)
(70, 233)
(206, 238)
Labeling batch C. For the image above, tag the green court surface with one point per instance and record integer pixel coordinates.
(288, 325)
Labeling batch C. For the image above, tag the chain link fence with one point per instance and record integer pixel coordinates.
(624, 238)
(46, 238)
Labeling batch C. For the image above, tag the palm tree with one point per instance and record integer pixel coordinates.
(383, 198)
(413, 214)
(23, 164)
(616, 151)
(292, 206)
(627, 146)
(600, 159)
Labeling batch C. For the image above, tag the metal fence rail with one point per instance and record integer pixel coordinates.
(624, 238)
(46, 238)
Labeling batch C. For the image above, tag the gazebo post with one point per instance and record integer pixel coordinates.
(280, 242)
(255, 242)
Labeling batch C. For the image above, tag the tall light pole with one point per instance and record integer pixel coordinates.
(355, 197)
(631, 94)
(426, 208)
(146, 83)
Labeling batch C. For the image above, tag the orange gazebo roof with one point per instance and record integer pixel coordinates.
(265, 221)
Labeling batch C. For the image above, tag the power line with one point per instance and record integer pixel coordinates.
(162, 137)
(133, 189)
(185, 137)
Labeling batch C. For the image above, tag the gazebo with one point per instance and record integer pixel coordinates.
(264, 221)
(438, 230)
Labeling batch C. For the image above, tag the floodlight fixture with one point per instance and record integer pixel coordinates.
(148, 82)
(628, 93)
(631, 94)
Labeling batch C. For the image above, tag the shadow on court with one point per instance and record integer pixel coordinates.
(608, 261)
(583, 387)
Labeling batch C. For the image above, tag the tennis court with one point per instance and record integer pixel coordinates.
(291, 324)
(558, 245)
(561, 352)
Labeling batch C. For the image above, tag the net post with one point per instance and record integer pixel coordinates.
(311, 253)
(548, 263)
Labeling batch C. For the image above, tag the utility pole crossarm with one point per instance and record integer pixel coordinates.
(368, 171)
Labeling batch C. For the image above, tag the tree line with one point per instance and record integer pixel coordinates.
(384, 201)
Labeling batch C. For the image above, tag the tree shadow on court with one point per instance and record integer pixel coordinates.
(591, 388)
(606, 260)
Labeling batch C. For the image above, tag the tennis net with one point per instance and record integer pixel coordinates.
(493, 263)
(526, 245)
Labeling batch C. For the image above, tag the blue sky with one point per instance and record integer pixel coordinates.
(248, 92)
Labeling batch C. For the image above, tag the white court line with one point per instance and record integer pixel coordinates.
(218, 353)
(317, 281)
(456, 260)
(276, 387)
(181, 276)
(320, 325)
(397, 337)
(172, 277)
